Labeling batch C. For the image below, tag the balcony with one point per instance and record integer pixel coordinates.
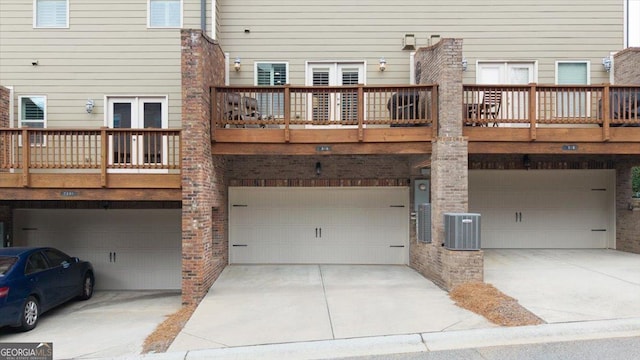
(125, 159)
(552, 118)
(401, 119)
(329, 119)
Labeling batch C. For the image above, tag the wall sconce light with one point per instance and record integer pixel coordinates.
(318, 168)
(464, 64)
(382, 63)
(526, 162)
(34, 62)
(606, 62)
(236, 64)
(89, 106)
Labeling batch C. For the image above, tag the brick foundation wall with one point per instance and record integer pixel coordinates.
(442, 64)
(341, 170)
(204, 220)
(627, 221)
(627, 66)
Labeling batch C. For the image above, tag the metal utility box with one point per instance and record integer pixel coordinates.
(424, 222)
(462, 231)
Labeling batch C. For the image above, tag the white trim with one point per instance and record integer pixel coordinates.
(255, 69)
(574, 62)
(412, 68)
(227, 58)
(165, 27)
(213, 19)
(35, 18)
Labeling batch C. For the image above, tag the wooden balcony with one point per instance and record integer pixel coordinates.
(402, 119)
(553, 119)
(323, 119)
(133, 164)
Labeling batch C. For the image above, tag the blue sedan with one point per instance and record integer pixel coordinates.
(36, 279)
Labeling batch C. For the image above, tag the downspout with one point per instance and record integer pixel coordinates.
(203, 16)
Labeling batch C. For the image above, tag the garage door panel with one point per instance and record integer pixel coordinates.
(320, 225)
(129, 249)
(544, 208)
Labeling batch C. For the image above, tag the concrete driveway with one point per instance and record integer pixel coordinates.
(267, 304)
(111, 323)
(568, 285)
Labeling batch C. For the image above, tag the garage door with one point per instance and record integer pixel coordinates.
(129, 249)
(544, 208)
(319, 225)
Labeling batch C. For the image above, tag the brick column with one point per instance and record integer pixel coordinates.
(626, 72)
(442, 64)
(626, 68)
(204, 224)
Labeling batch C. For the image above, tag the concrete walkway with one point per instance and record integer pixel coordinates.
(266, 304)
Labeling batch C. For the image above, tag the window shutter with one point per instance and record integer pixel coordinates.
(51, 13)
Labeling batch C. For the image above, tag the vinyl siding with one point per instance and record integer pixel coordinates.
(297, 31)
(107, 50)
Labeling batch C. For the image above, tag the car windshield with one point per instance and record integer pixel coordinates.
(6, 262)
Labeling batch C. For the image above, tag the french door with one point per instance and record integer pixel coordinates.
(132, 148)
(514, 103)
(330, 107)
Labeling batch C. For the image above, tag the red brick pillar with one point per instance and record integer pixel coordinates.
(204, 235)
(442, 64)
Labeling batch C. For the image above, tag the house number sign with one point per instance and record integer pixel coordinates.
(69, 193)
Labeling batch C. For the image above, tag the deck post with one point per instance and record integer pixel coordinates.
(26, 156)
(360, 112)
(287, 112)
(606, 113)
(533, 95)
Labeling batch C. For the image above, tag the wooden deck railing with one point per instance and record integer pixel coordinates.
(360, 106)
(542, 105)
(89, 150)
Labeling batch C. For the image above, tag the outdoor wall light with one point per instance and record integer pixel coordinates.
(89, 106)
(318, 168)
(236, 64)
(606, 62)
(382, 64)
(464, 64)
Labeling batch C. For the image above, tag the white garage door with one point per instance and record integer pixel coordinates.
(319, 225)
(129, 249)
(544, 208)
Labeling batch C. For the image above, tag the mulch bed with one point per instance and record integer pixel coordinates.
(484, 299)
(162, 337)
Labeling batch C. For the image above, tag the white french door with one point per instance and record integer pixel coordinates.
(514, 103)
(333, 108)
(131, 113)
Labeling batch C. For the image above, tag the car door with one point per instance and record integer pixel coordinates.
(67, 272)
(43, 280)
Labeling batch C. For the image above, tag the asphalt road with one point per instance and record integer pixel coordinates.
(602, 349)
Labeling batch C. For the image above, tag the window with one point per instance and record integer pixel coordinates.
(572, 103)
(36, 263)
(165, 13)
(33, 114)
(271, 74)
(51, 14)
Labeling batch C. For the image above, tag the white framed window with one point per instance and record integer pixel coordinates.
(164, 14)
(573, 103)
(51, 14)
(33, 114)
(271, 74)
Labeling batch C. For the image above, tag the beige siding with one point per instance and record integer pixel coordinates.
(541, 30)
(107, 50)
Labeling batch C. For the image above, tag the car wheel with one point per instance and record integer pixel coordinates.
(30, 314)
(87, 287)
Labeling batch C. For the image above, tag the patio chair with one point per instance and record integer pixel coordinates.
(489, 108)
(239, 107)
